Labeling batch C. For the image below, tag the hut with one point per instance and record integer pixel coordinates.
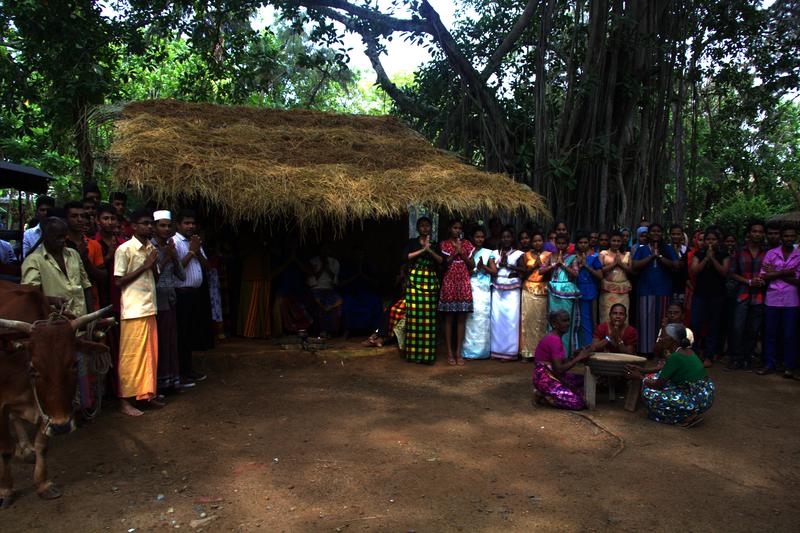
(302, 170)
(309, 167)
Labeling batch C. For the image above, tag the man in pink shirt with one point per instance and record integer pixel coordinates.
(780, 271)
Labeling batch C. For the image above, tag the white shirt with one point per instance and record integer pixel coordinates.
(194, 272)
(325, 280)
(30, 238)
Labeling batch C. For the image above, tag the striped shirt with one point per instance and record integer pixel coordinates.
(194, 272)
(748, 267)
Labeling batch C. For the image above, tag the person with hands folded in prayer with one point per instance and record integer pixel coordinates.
(709, 266)
(477, 335)
(422, 294)
(562, 291)
(615, 335)
(654, 262)
(507, 266)
(455, 297)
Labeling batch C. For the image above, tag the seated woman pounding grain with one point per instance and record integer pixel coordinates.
(552, 383)
(682, 391)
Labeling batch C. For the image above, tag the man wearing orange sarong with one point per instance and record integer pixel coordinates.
(135, 272)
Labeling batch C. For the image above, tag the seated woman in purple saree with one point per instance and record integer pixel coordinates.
(552, 383)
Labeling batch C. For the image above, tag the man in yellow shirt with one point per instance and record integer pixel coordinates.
(58, 270)
(135, 273)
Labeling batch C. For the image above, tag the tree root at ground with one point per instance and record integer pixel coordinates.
(620, 441)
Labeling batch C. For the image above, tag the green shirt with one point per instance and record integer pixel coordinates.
(681, 368)
(41, 269)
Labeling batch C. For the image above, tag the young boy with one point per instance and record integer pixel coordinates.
(135, 273)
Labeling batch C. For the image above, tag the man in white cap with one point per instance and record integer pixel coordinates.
(172, 272)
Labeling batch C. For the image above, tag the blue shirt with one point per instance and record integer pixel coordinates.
(655, 279)
(7, 255)
(587, 283)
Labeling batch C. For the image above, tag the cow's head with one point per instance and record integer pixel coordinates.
(53, 367)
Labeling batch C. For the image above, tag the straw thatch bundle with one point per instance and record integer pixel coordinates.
(310, 166)
(791, 217)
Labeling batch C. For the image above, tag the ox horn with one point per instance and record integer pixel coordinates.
(85, 319)
(18, 325)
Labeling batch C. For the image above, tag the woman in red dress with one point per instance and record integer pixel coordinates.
(455, 297)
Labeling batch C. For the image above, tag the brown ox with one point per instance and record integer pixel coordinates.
(38, 376)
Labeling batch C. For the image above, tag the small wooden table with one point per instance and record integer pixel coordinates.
(611, 365)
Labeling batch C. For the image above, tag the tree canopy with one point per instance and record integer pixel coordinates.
(611, 109)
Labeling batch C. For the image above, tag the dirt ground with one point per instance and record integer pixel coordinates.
(285, 441)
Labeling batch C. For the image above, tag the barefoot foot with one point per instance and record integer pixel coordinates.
(127, 409)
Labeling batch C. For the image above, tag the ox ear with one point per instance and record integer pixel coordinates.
(89, 346)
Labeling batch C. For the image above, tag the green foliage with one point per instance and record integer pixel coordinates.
(741, 139)
(59, 59)
(734, 213)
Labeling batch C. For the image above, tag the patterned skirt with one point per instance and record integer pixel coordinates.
(397, 312)
(675, 403)
(563, 393)
(455, 295)
(534, 322)
(420, 338)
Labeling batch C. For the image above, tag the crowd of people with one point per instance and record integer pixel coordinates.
(149, 266)
(554, 300)
(550, 298)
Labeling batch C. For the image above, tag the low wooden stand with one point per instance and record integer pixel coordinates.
(611, 365)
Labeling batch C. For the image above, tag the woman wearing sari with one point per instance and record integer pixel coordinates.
(477, 336)
(422, 295)
(507, 266)
(615, 286)
(552, 383)
(681, 391)
(534, 298)
(562, 292)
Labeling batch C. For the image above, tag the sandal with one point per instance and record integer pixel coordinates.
(460, 361)
(451, 360)
(371, 342)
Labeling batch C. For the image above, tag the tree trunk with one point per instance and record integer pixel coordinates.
(82, 143)
(679, 212)
(541, 159)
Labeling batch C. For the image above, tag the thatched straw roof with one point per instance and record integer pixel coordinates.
(310, 166)
(793, 216)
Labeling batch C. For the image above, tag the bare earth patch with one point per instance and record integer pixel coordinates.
(283, 441)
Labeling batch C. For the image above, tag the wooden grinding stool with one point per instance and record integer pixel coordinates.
(611, 365)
